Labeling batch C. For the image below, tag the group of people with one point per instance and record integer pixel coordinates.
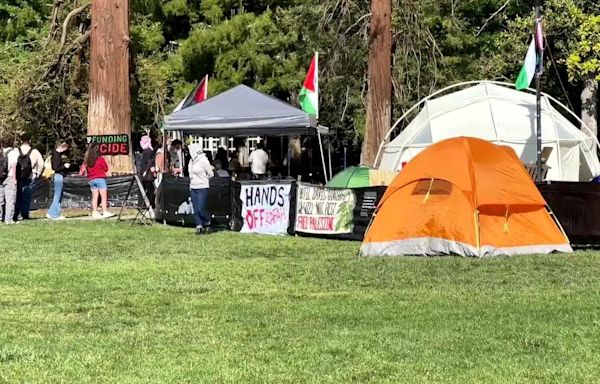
(192, 161)
(226, 164)
(22, 165)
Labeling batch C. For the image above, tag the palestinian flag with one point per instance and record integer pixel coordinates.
(198, 95)
(533, 59)
(309, 94)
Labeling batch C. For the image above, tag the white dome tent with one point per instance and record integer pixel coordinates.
(498, 113)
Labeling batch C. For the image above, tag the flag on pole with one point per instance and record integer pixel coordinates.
(534, 58)
(309, 94)
(198, 95)
(528, 70)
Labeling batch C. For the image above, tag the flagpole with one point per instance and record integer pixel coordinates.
(538, 96)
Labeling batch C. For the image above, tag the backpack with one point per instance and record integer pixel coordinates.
(24, 168)
(3, 166)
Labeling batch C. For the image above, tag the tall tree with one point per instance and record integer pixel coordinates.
(109, 110)
(379, 97)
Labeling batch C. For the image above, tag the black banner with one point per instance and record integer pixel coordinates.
(175, 204)
(111, 145)
(577, 208)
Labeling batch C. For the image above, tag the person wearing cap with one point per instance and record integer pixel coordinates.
(200, 172)
(146, 168)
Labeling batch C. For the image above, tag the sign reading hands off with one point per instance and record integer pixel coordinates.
(265, 208)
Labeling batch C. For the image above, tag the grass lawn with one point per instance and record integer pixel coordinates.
(104, 302)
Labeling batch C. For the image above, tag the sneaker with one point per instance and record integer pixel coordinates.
(48, 216)
(199, 231)
(97, 215)
(59, 218)
(107, 215)
(11, 222)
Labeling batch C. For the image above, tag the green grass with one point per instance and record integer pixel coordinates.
(104, 302)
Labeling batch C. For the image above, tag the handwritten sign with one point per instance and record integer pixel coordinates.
(323, 210)
(265, 208)
(111, 145)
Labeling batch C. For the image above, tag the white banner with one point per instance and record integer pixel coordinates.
(265, 208)
(324, 210)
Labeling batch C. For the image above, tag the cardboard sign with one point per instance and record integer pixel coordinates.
(265, 208)
(111, 145)
(324, 210)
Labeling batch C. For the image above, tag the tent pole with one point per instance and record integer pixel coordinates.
(329, 156)
(538, 82)
(322, 155)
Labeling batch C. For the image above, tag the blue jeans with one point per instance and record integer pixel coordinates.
(54, 210)
(199, 198)
(23, 199)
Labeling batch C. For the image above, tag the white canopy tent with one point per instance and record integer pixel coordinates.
(498, 113)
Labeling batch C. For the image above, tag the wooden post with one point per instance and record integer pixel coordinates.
(379, 96)
(109, 110)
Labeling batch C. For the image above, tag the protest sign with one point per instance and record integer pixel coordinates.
(265, 208)
(324, 210)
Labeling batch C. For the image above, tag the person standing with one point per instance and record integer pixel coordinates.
(176, 157)
(96, 168)
(200, 172)
(60, 169)
(259, 159)
(10, 183)
(3, 176)
(147, 169)
(30, 165)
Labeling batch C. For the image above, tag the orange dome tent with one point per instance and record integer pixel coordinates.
(463, 196)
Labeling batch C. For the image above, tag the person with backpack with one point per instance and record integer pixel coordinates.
(60, 168)
(8, 189)
(30, 166)
(146, 168)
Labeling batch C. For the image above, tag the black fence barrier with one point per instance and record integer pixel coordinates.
(175, 204)
(577, 208)
(266, 207)
(77, 194)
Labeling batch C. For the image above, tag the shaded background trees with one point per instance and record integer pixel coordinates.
(267, 44)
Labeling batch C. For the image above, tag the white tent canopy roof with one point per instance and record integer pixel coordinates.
(496, 112)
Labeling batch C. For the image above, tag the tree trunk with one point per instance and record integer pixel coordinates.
(109, 110)
(589, 104)
(379, 96)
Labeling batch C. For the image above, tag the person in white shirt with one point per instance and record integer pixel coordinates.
(26, 177)
(200, 172)
(259, 159)
(10, 184)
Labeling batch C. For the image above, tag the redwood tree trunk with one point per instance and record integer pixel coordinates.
(589, 104)
(379, 96)
(109, 110)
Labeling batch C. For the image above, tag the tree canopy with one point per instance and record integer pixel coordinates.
(267, 44)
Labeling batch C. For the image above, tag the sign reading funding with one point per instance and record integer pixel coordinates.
(324, 210)
(265, 208)
(111, 144)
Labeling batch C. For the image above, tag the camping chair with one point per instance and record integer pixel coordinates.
(145, 213)
(532, 168)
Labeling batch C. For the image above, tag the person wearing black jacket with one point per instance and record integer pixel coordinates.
(147, 169)
(60, 169)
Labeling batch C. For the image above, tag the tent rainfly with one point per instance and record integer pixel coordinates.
(481, 203)
(242, 111)
(497, 113)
